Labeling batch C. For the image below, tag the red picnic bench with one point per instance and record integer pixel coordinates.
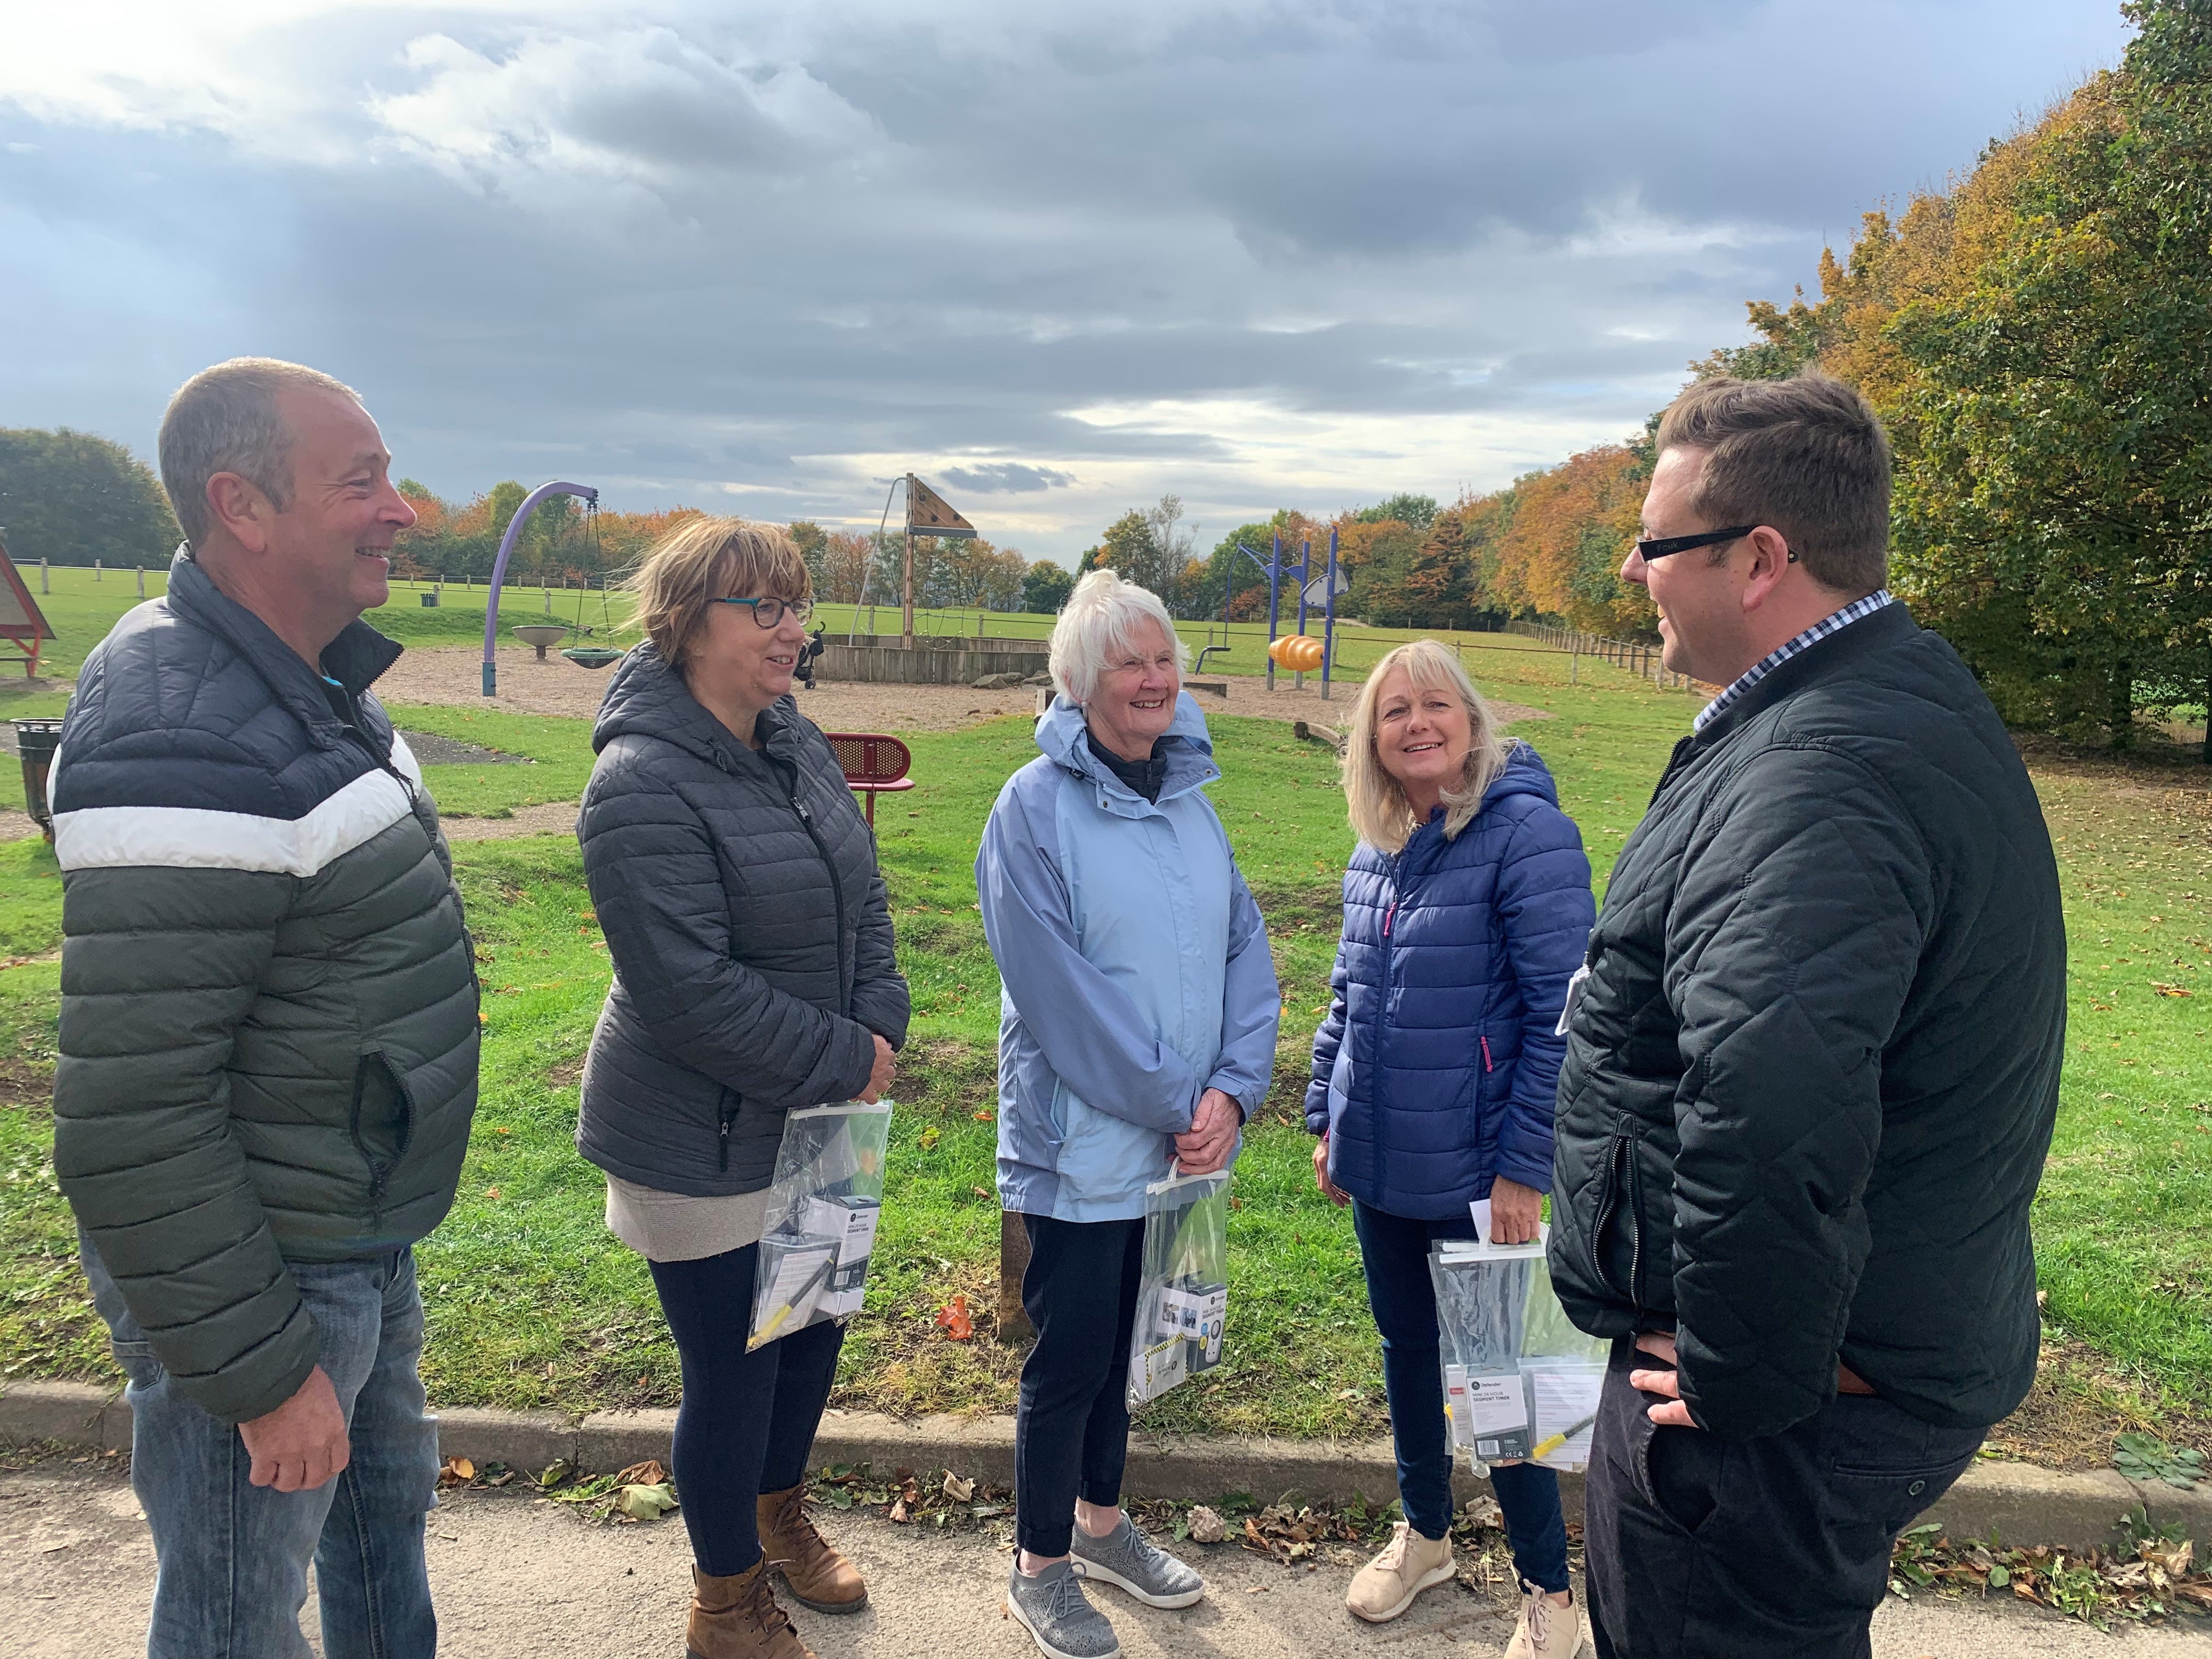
(874, 765)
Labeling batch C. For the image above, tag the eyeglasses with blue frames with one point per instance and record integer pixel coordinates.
(770, 612)
(1651, 551)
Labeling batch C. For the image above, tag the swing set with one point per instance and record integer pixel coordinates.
(544, 635)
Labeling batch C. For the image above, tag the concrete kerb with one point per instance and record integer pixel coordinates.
(2018, 1503)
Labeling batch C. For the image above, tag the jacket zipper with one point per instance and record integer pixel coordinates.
(1623, 1185)
(1635, 1228)
(836, 896)
(1487, 1066)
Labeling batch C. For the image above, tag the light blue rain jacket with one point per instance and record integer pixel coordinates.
(1135, 969)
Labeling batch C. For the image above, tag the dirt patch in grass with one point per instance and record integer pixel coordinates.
(432, 749)
(2080, 1404)
(904, 1364)
(553, 818)
(566, 1075)
(26, 1082)
(945, 1074)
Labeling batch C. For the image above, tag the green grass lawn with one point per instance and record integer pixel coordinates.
(531, 1302)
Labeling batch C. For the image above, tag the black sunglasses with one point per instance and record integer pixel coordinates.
(1659, 549)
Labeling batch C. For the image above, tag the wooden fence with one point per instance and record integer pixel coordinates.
(1635, 656)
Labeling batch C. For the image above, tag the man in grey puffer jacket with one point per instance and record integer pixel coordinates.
(269, 1033)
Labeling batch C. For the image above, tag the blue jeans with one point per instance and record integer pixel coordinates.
(1394, 1252)
(233, 1557)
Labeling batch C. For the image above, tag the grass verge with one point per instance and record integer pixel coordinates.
(532, 1304)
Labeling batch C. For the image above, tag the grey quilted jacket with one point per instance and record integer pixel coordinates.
(751, 934)
(1811, 1080)
(269, 1002)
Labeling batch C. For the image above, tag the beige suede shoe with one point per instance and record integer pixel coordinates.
(1409, 1563)
(1546, 1631)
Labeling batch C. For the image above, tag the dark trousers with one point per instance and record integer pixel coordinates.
(1712, 1549)
(1071, 1428)
(1394, 1252)
(747, 1422)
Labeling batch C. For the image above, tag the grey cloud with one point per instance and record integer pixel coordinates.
(782, 258)
(1006, 477)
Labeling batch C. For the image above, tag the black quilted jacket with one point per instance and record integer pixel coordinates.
(1811, 1081)
(268, 1005)
(751, 934)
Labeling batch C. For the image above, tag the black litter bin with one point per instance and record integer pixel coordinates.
(36, 741)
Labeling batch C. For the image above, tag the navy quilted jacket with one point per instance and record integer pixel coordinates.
(751, 933)
(1435, 1070)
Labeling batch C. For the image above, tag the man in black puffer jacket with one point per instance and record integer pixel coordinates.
(269, 1032)
(1812, 1061)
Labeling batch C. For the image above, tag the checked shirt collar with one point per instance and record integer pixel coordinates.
(1758, 670)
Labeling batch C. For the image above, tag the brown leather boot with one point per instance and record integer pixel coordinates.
(815, 1575)
(737, 1618)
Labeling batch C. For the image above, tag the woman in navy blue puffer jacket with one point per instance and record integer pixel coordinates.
(1466, 909)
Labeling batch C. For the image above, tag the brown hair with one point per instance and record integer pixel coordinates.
(705, 559)
(1806, 455)
(224, 419)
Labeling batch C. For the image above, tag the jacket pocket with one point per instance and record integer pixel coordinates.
(1616, 1227)
(382, 1120)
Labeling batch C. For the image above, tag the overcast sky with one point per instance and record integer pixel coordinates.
(1055, 258)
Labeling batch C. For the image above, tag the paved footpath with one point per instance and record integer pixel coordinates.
(516, 1575)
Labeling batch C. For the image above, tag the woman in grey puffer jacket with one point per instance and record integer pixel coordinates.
(754, 974)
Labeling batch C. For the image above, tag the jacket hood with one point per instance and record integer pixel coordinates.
(1185, 746)
(1524, 774)
(648, 698)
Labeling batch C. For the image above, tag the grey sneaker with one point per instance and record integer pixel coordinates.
(1129, 1561)
(1052, 1608)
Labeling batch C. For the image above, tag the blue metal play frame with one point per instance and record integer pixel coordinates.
(1275, 570)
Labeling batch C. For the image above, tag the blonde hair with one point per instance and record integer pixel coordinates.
(1104, 614)
(1380, 813)
(702, 560)
(224, 419)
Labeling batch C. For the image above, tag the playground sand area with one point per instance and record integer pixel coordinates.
(454, 675)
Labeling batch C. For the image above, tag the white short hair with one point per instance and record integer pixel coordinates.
(1103, 616)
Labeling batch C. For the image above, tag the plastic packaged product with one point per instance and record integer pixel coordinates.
(1182, 1303)
(1520, 1381)
(823, 1209)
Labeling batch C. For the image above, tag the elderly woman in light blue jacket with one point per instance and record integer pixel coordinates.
(1136, 1034)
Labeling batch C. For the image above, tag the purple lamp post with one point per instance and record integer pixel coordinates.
(583, 492)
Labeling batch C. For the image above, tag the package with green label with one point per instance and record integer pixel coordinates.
(1183, 1300)
(823, 1209)
(1520, 1381)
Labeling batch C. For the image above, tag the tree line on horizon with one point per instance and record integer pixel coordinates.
(2037, 336)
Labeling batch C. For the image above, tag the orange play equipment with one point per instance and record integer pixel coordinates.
(1300, 653)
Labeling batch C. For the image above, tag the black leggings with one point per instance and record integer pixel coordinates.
(1071, 1430)
(747, 1422)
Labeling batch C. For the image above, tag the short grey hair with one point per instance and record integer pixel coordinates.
(1102, 616)
(224, 419)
